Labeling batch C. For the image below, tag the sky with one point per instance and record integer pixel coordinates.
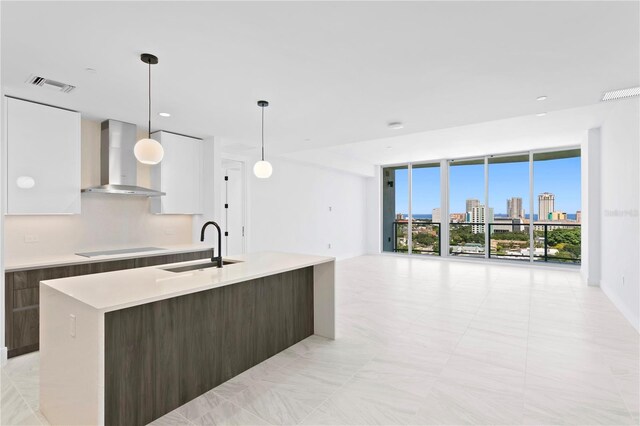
(561, 177)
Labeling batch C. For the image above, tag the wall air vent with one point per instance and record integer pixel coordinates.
(621, 94)
(50, 84)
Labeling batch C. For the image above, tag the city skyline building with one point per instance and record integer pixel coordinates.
(478, 215)
(546, 205)
(458, 217)
(436, 215)
(471, 203)
(514, 207)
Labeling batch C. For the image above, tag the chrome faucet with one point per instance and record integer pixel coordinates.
(214, 258)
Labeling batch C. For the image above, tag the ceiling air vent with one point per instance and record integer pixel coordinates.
(621, 94)
(50, 84)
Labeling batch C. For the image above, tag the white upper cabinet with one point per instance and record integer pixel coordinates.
(179, 174)
(43, 159)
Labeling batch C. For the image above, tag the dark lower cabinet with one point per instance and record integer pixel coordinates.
(22, 293)
(160, 355)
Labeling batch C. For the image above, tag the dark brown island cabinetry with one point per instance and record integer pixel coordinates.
(160, 355)
(22, 293)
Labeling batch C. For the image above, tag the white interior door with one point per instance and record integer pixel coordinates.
(233, 223)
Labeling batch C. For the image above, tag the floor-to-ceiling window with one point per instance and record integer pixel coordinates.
(523, 207)
(508, 236)
(395, 209)
(557, 204)
(426, 219)
(467, 209)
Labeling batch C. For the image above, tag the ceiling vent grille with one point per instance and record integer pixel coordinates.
(50, 84)
(621, 94)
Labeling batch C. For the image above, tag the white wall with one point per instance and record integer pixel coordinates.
(212, 185)
(620, 199)
(106, 221)
(373, 213)
(290, 211)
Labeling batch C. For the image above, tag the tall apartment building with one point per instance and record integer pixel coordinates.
(514, 207)
(546, 205)
(471, 203)
(579, 216)
(436, 216)
(478, 214)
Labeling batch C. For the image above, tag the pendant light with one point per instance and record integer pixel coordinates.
(262, 168)
(147, 150)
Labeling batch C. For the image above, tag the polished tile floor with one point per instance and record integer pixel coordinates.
(427, 342)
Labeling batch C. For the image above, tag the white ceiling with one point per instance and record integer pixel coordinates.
(565, 128)
(335, 73)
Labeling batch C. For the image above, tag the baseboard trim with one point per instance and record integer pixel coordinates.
(624, 310)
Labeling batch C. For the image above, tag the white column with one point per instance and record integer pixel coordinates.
(486, 208)
(531, 207)
(409, 219)
(444, 208)
(591, 208)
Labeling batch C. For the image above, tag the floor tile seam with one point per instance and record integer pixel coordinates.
(24, 401)
(27, 402)
(252, 414)
(611, 375)
(617, 387)
(281, 368)
(226, 399)
(189, 422)
(453, 351)
(339, 388)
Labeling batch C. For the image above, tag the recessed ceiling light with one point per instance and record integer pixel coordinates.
(620, 94)
(541, 114)
(164, 114)
(396, 125)
(541, 98)
(388, 147)
(90, 70)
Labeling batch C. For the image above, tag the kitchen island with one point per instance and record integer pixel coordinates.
(126, 347)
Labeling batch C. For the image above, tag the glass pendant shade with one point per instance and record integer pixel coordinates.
(25, 182)
(262, 169)
(148, 151)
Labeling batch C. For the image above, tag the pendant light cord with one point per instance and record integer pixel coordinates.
(149, 99)
(262, 133)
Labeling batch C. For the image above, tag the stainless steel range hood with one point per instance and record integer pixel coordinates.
(118, 165)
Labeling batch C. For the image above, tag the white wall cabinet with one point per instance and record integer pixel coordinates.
(43, 159)
(179, 174)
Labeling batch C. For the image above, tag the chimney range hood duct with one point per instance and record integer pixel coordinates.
(118, 166)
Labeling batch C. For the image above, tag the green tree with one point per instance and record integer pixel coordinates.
(511, 236)
(569, 236)
(425, 239)
(461, 235)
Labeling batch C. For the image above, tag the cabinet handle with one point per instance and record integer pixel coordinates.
(25, 182)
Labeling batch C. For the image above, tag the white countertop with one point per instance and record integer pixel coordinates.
(72, 259)
(121, 289)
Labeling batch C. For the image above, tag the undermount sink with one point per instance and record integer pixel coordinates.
(198, 266)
